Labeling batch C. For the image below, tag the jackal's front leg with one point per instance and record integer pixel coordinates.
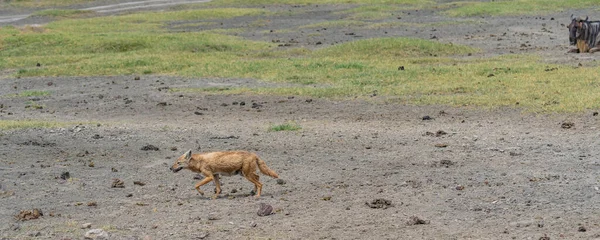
(206, 180)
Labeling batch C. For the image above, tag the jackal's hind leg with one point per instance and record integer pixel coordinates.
(217, 185)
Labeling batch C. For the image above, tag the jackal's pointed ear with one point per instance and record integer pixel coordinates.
(188, 155)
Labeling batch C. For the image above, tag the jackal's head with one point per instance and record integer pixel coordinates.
(181, 162)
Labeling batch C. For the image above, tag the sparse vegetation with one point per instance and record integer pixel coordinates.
(289, 126)
(434, 72)
(514, 7)
(17, 124)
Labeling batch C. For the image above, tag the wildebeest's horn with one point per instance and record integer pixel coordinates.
(572, 16)
(586, 18)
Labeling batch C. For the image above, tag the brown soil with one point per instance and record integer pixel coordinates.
(502, 174)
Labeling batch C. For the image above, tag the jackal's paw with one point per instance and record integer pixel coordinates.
(201, 192)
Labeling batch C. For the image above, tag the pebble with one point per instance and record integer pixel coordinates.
(96, 234)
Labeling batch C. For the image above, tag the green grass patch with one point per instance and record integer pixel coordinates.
(30, 93)
(289, 126)
(19, 124)
(236, 3)
(434, 72)
(516, 7)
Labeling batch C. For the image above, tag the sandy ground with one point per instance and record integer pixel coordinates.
(437, 172)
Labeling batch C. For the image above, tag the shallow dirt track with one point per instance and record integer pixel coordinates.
(356, 169)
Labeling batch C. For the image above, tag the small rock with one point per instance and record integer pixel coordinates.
(139, 183)
(401, 68)
(112, 169)
(65, 175)
(96, 234)
(280, 181)
(150, 147)
(213, 217)
(380, 203)
(201, 235)
(440, 133)
(136, 78)
(581, 229)
(118, 183)
(86, 225)
(253, 224)
(567, 125)
(427, 118)
(414, 220)
(460, 187)
(25, 215)
(265, 210)
(545, 237)
(441, 145)
(92, 204)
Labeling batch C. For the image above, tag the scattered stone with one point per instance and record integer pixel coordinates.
(161, 104)
(91, 164)
(380, 203)
(92, 204)
(139, 183)
(65, 176)
(567, 125)
(198, 113)
(150, 147)
(96, 234)
(141, 204)
(112, 169)
(136, 78)
(460, 187)
(446, 163)
(234, 190)
(545, 237)
(118, 183)
(253, 224)
(213, 217)
(440, 133)
(173, 148)
(414, 220)
(201, 235)
(86, 225)
(581, 229)
(280, 181)
(15, 227)
(265, 210)
(82, 154)
(401, 68)
(595, 114)
(427, 118)
(441, 145)
(25, 215)
(327, 198)
(129, 195)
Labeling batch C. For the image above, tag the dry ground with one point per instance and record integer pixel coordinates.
(468, 173)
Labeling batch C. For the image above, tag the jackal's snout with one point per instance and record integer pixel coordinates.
(175, 168)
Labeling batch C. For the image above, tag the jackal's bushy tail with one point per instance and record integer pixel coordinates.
(262, 166)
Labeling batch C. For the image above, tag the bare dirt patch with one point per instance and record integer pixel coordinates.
(502, 174)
